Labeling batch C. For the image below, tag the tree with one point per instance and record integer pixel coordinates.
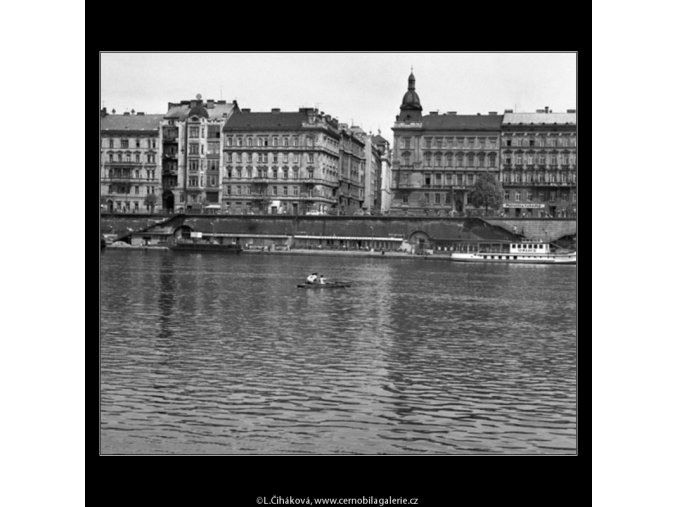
(486, 193)
(150, 201)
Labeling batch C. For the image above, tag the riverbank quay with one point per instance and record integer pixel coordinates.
(312, 253)
(335, 233)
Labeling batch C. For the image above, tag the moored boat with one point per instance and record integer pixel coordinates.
(526, 252)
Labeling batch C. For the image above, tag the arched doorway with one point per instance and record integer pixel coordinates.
(420, 241)
(182, 232)
(168, 200)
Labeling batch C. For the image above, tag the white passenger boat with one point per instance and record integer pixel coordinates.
(527, 252)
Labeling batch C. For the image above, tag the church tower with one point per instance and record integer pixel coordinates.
(410, 110)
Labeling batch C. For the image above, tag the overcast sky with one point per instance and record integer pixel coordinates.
(364, 89)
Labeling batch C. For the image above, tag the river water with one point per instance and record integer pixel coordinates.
(206, 353)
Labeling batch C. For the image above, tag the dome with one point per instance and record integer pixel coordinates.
(411, 101)
(198, 110)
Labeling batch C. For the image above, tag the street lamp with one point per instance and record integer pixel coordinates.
(372, 236)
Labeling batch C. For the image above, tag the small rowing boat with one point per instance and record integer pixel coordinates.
(328, 285)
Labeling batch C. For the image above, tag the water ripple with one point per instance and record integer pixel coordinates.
(210, 354)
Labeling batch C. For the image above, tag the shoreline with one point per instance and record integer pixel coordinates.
(302, 251)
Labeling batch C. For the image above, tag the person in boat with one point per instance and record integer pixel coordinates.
(322, 279)
(311, 278)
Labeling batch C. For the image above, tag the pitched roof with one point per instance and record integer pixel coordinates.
(462, 122)
(539, 118)
(131, 122)
(380, 140)
(265, 121)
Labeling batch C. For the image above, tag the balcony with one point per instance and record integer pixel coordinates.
(126, 164)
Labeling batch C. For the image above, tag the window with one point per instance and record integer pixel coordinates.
(111, 143)
(518, 196)
(274, 190)
(124, 143)
(274, 141)
(427, 179)
(193, 165)
(426, 197)
(311, 158)
(428, 142)
(193, 149)
(263, 158)
(285, 173)
(249, 158)
(296, 173)
(239, 141)
(427, 159)
(136, 189)
(239, 157)
(438, 178)
(212, 148)
(530, 197)
(212, 164)
(438, 198)
(471, 179)
(508, 142)
(193, 132)
(250, 141)
(438, 160)
(284, 190)
(274, 158)
(296, 190)
(405, 199)
(229, 141)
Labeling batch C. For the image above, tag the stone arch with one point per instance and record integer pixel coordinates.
(420, 240)
(182, 232)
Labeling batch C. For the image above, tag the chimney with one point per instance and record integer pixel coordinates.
(568, 110)
(275, 110)
(126, 113)
(132, 111)
(246, 110)
(113, 111)
(139, 113)
(493, 113)
(210, 103)
(508, 111)
(434, 113)
(452, 113)
(540, 110)
(547, 109)
(103, 112)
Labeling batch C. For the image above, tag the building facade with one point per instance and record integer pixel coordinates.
(437, 158)
(385, 175)
(130, 160)
(352, 164)
(281, 162)
(538, 164)
(192, 149)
